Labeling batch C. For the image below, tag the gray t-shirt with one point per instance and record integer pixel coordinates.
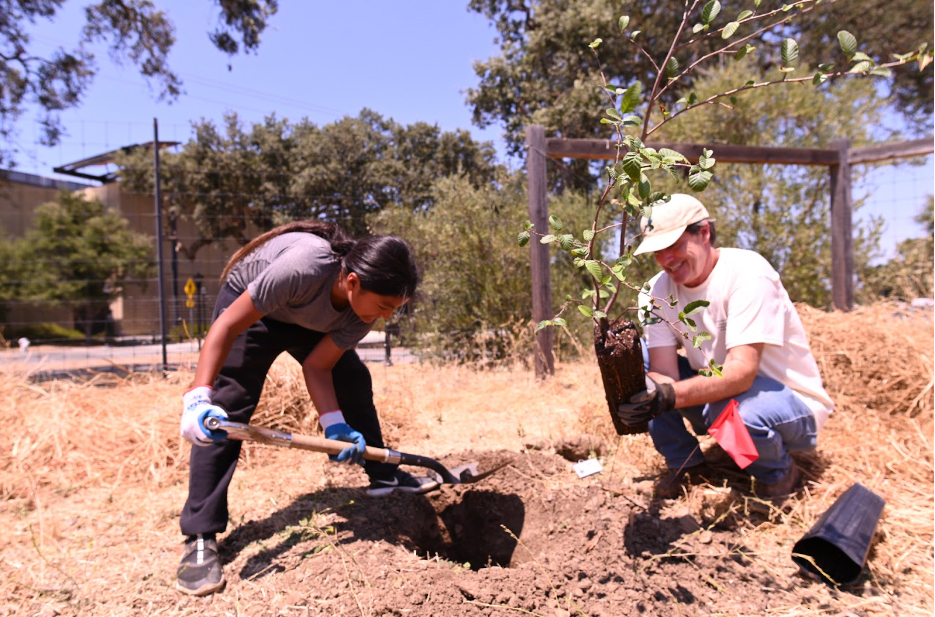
(289, 279)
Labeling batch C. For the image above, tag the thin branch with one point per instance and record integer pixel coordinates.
(712, 99)
(731, 47)
(653, 95)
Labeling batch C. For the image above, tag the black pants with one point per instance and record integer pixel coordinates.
(237, 391)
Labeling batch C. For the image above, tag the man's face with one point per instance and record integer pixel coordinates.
(689, 261)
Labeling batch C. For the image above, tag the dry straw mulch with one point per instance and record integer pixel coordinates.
(93, 474)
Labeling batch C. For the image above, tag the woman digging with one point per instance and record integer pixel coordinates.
(307, 289)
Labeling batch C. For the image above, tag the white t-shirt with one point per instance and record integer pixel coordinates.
(748, 305)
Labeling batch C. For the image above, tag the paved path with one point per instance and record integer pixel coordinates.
(61, 360)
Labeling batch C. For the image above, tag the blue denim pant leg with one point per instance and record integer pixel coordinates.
(777, 419)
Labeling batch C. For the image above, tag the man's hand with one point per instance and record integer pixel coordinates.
(657, 398)
(196, 406)
(336, 428)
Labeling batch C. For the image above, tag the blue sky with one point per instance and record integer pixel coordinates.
(406, 59)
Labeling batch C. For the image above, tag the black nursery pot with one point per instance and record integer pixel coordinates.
(836, 547)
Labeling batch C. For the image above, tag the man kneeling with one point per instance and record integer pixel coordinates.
(756, 335)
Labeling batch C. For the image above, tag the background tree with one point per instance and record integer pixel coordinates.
(229, 182)
(11, 276)
(81, 255)
(884, 28)
(474, 299)
(545, 75)
(908, 275)
(133, 30)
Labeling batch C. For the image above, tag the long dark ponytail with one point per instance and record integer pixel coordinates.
(384, 264)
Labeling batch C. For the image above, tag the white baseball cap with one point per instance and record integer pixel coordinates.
(668, 221)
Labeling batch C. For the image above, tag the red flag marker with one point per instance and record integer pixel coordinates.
(729, 431)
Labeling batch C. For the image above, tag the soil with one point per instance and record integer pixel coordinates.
(532, 538)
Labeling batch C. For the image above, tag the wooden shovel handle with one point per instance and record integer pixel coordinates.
(246, 432)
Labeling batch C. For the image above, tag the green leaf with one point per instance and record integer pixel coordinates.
(594, 268)
(585, 310)
(882, 71)
(729, 30)
(757, 3)
(696, 307)
(699, 180)
(861, 67)
(698, 28)
(555, 222)
(548, 239)
(543, 324)
(599, 314)
(733, 100)
(715, 368)
(819, 79)
(610, 111)
(595, 43)
(644, 188)
(790, 52)
(672, 154)
(826, 68)
(559, 321)
(631, 98)
(624, 22)
(744, 15)
(710, 11)
(528, 225)
(566, 241)
(635, 33)
(587, 234)
(672, 67)
(523, 238)
(861, 56)
(632, 165)
(692, 98)
(848, 43)
(688, 321)
(700, 338)
(743, 51)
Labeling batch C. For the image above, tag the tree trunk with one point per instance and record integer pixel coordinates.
(620, 358)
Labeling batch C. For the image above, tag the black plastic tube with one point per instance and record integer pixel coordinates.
(836, 547)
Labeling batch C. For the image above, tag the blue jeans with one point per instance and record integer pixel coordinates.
(777, 419)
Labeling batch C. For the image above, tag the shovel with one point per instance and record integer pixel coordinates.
(463, 474)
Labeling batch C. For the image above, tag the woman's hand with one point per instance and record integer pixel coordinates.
(336, 428)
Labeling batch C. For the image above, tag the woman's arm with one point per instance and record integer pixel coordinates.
(234, 320)
(317, 370)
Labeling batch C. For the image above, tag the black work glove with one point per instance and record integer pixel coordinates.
(657, 398)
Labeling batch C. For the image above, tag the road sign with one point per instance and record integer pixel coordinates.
(190, 303)
(189, 288)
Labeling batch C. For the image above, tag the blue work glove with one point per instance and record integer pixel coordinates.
(645, 405)
(336, 428)
(196, 406)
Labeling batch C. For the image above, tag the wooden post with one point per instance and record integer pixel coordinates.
(842, 235)
(538, 252)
